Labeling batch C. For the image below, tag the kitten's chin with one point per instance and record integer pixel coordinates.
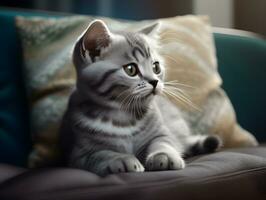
(149, 97)
(156, 92)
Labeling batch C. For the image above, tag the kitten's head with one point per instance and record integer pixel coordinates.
(119, 67)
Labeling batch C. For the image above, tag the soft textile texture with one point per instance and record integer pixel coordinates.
(187, 46)
(216, 176)
(14, 144)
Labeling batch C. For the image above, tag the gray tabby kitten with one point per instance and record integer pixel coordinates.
(115, 121)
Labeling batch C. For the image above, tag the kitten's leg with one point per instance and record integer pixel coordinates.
(105, 162)
(201, 144)
(162, 154)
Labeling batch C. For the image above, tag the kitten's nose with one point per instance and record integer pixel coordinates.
(153, 83)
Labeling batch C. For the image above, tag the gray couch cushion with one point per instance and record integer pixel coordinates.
(230, 174)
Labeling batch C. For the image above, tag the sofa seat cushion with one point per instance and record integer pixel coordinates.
(231, 174)
(8, 171)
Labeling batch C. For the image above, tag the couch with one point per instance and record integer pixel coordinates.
(238, 173)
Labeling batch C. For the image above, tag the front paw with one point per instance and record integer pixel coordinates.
(125, 164)
(164, 161)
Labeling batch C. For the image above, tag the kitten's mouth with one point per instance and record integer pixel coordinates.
(152, 93)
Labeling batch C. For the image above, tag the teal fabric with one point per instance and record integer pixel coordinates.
(241, 64)
(14, 116)
(14, 130)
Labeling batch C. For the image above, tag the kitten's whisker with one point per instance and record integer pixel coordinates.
(128, 90)
(123, 100)
(141, 106)
(133, 106)
(131, 103)
(124, 103)
(177, 90)
(137, 106)
(136, 110)
(179, 87)
(175, 97)
(128, 103)
(175, 82)
(182, 98)
(173, 86)
(179, 94)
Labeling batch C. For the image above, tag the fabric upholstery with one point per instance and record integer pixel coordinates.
(242, 64)
(14, 128)
(15, 140)
(9, 171)
(231, 174)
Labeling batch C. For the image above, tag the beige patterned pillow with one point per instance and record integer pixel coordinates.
(188, 49)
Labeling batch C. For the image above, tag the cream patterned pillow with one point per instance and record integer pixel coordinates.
(186, 44)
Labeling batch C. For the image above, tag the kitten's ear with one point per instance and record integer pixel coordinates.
(96, 36)
(151, 30)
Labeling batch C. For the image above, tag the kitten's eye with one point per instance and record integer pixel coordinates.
(156, 68)
(131, 69)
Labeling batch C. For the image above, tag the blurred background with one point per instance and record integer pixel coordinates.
(247, 15)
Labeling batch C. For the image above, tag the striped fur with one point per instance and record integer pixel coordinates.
(115, 122)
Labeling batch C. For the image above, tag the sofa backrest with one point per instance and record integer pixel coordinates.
(242, 65)
(14, 116)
